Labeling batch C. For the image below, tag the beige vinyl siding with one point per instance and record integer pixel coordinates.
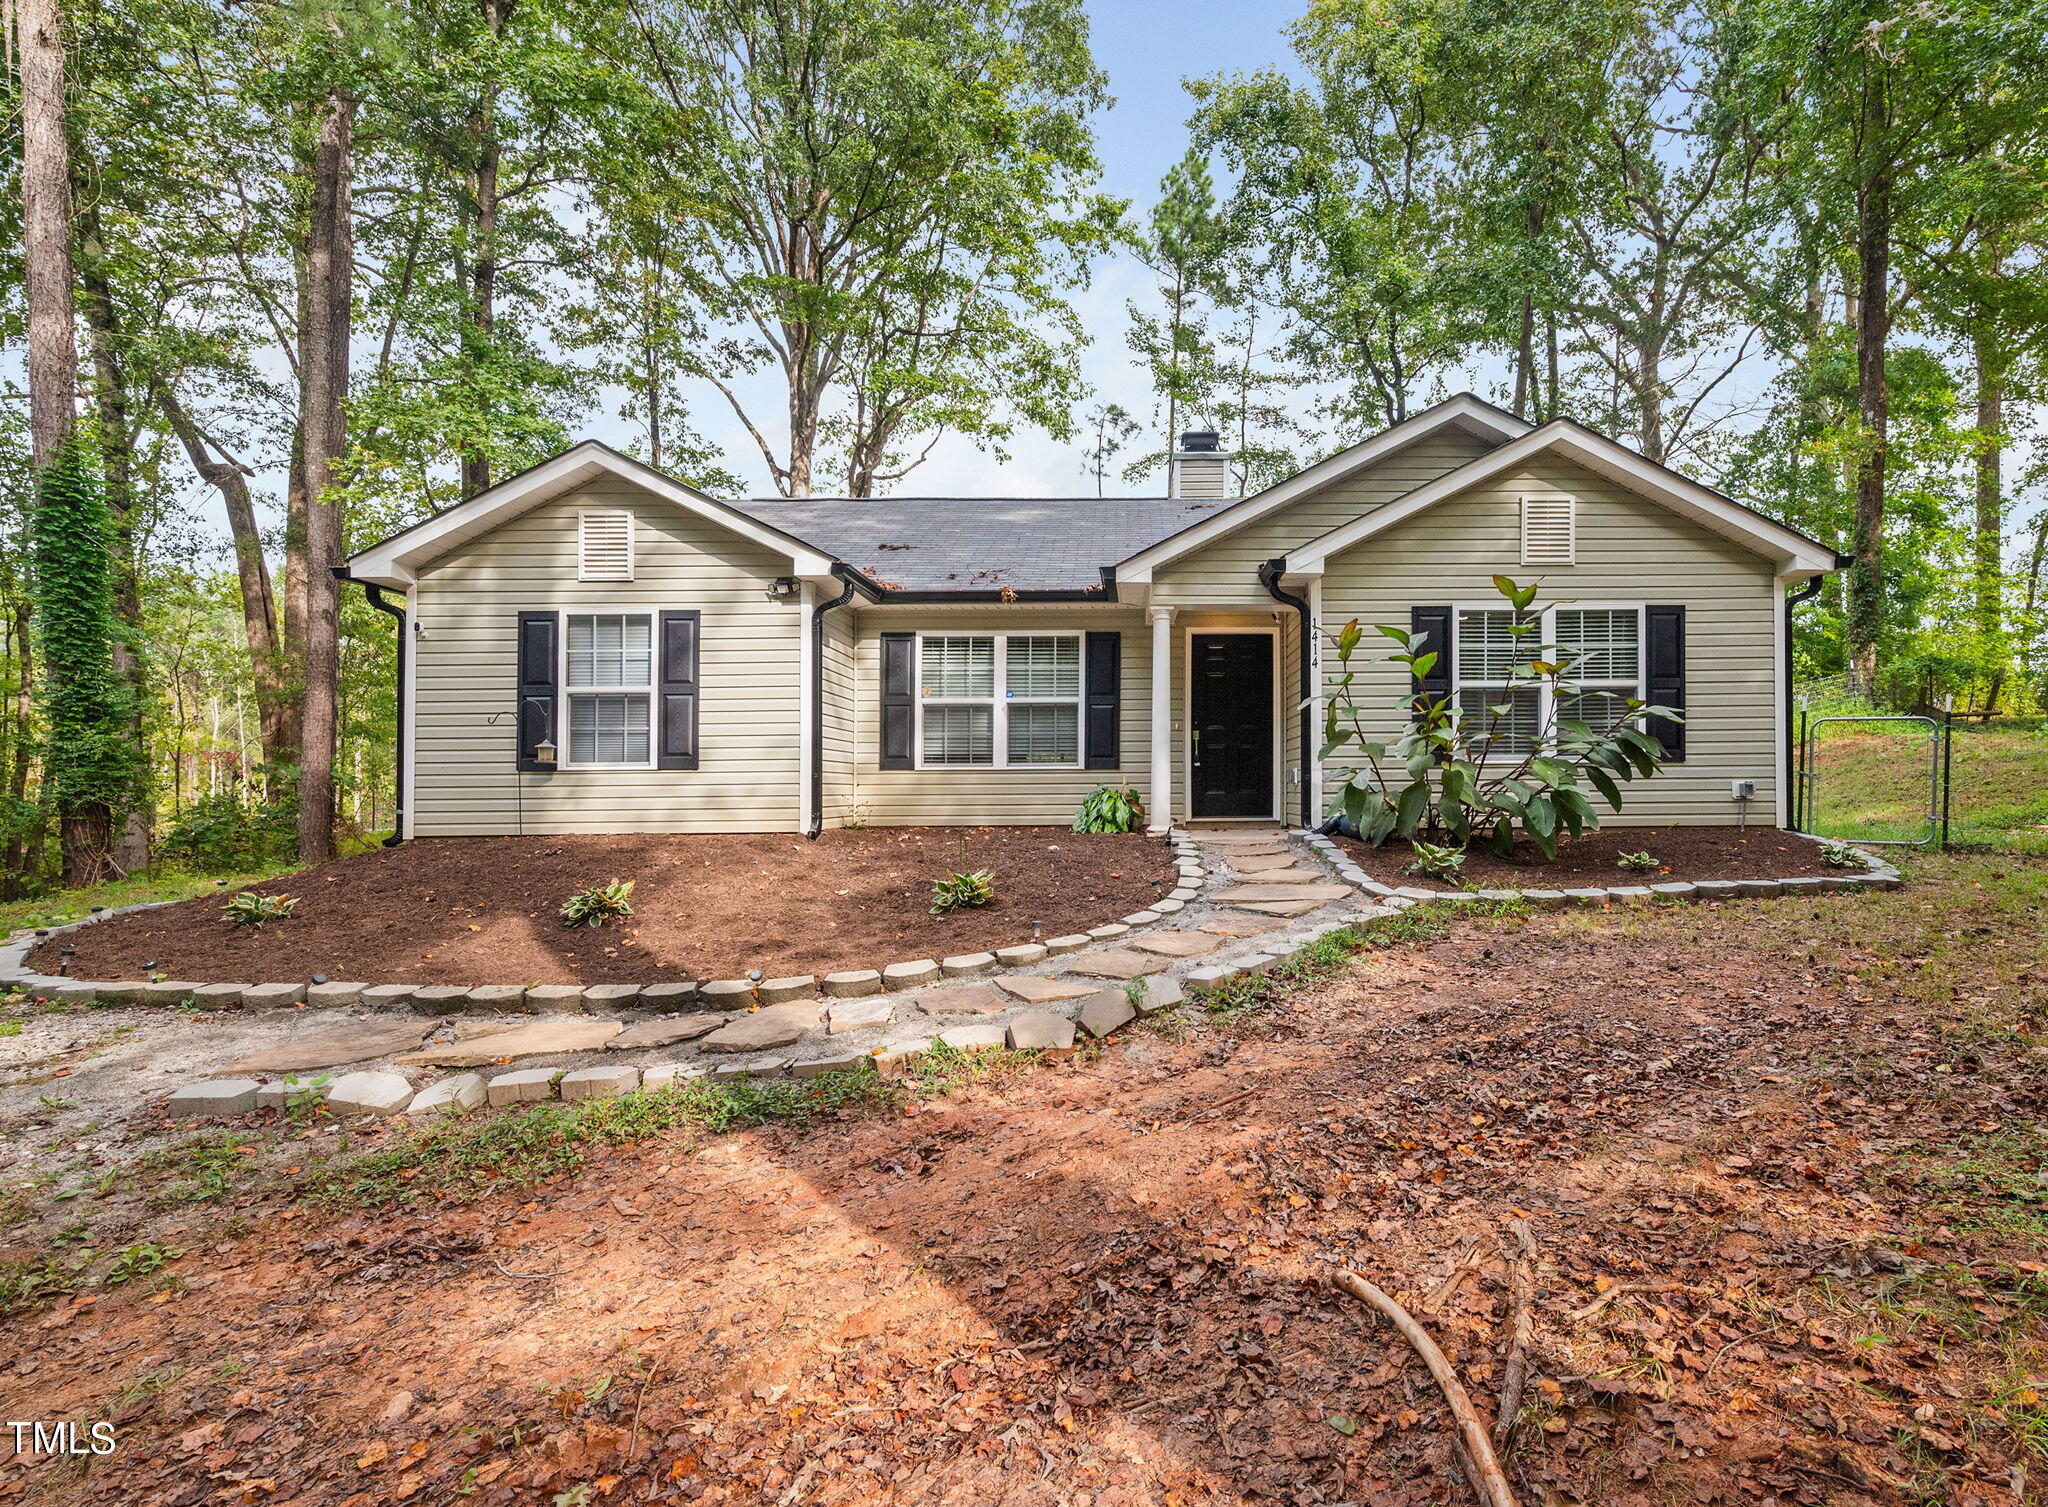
(467, 603)
(1629, 551)
(837, 729)
(993, 797)
(1226, 572)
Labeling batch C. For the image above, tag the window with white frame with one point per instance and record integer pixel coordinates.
(608, 680)
(1604, 646)
(999, 700)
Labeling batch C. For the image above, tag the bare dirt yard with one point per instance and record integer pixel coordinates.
(485, 910)
(1782, 1162)
(1688, 853)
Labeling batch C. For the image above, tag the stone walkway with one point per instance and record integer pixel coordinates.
(1254, 895)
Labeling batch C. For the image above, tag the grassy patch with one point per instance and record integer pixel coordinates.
(1999, 1184)
(204, 1169)
(1872, 784)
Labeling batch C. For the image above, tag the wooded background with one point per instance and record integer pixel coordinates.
(279, 280)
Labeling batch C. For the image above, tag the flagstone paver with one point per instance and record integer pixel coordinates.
(332, 1048)
(969, 999)
(1178, 944)
(521, 1041)
(1035, 990)
(773, 1026)
(1239, 926)
(665, 1031)
(1282, 907)
(215, 1097)
(859, 1015)
(1042, 1031)
(1117, 963)
(1106, 1010)
(1237, 894)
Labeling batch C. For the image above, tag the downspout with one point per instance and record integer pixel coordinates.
(1792, 600)
(817, 771)
(383, 604)
(1269, 577)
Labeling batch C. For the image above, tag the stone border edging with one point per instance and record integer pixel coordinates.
(1191, 878)
(1877, 874)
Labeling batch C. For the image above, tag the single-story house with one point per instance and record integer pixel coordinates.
(593, 646)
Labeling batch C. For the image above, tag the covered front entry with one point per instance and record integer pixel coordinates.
(1230, 721)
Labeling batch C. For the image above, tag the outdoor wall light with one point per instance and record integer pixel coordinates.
(544, 753)
(784, 588)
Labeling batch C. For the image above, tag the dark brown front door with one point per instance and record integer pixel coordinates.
(1232, 718)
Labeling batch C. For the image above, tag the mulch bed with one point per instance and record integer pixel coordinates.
(1683, 853)
(482, 910)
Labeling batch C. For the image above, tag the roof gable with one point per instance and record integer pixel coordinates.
(1791, 551)
(1474, 415)
(394, 561)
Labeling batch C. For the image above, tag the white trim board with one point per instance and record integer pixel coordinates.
(1792, 553)
(395, 561)
(1463, 411)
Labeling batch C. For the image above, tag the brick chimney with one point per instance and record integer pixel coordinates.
(1200, 467)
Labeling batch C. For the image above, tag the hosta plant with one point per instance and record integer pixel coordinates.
(1636, 863)
(1839, 855)
(963, 890)
(1436, 862)
(251, 909)
(1437, 780)
(599, 905)
(1110, 808)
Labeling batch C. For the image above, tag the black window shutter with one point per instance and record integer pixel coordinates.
(677, 693)
(1664, 680)
(1434, 626)
(1102, 697)
(899, 704)
(537, 690)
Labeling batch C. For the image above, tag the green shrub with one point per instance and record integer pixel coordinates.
(1110, 808)
(963, 891)
(220, 832)
(1438, 778)
(251, 909)
(599, 905)
(1636, 863)
(1435, 862)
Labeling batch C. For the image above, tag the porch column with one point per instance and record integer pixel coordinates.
(1162, 717)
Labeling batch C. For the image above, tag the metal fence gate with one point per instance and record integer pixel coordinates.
(1885, 786)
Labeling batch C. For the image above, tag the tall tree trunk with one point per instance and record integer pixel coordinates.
(112, 408)
(46, 230)
(1988, 538)
(20, 752)
(259, 604)
(323, 395)
(85, 827)
(1873, 402)
(481, 335)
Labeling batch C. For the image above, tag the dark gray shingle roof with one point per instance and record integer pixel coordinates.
(981, 543)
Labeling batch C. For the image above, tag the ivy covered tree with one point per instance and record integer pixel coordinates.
(91, 772)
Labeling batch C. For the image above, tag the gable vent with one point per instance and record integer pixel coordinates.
(606, 546)
(1549, 530)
